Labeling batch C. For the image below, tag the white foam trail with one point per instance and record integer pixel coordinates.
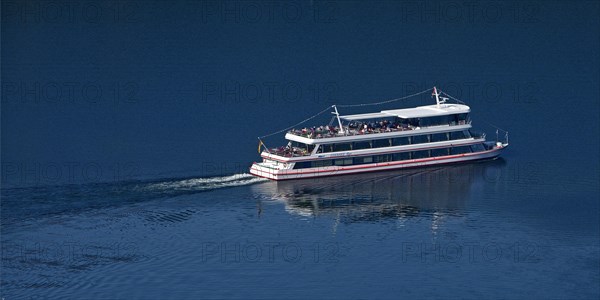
(233, 177)
(235, 183)
(208, 183)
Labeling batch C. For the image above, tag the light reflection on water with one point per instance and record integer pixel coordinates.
(440, 191)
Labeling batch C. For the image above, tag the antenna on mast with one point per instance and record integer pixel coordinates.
(337, 114)
(437, 97)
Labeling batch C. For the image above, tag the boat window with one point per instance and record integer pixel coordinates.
(453, 119)
(361, 145)
(401, 156)
(401, 141)
(382, 158)
(405, 155)
(321, 163)
(439, 137)
(414, 122)
(302, 165)
(381, 143)
(420, 154)
(435, 121)
(320, 149)
(419, 139)
(467, 134)
(439, 152)
(326, 148)
(477, 148)
(457, 135)
(307, 147)
(363, 160)
(342, 147)
(343, 162)
(460, 150)
(424, 122)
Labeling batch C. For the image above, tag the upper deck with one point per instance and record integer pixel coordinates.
(396, 121)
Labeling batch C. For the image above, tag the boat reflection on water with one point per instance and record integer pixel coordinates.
(437, 191)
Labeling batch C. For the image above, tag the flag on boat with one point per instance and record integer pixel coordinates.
(260, 143)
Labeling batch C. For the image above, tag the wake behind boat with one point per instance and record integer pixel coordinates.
(378, 141)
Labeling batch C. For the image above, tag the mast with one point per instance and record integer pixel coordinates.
(338, 118)
(437, 97)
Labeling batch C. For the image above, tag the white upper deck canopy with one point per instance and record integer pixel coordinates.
(416, 112)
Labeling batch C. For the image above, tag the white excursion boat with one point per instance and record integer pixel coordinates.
(386, 140)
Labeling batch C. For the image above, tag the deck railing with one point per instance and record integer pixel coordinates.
(285, 151)
(330, 131)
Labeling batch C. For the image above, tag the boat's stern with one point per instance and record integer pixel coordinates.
(268, 169)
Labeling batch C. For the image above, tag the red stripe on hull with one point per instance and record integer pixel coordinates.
(379, 167)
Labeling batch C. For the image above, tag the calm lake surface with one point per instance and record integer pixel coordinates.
(127, 137)
(467, 230)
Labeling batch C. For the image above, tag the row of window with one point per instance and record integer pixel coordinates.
(442, 120)
(390, 157)
(399, 141)
(309, 147)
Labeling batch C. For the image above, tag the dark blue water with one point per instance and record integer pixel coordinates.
(128, 128)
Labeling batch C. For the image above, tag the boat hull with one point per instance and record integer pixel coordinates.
(287, 174)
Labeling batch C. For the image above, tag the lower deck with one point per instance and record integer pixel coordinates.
(340, 166)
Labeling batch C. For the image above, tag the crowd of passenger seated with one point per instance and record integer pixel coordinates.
(287, 151)
(379, 127)
(316, 132)
(353, 128)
